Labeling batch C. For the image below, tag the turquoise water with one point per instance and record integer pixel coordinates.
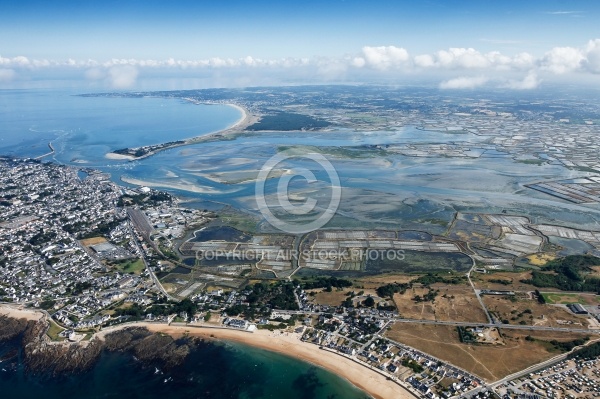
(219, 371)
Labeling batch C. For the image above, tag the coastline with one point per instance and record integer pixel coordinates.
(173, 186)
(289, 344)
(20, 313)
(245, 120)
(115, 156)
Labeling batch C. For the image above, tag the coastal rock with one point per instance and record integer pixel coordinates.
(43, 355)
(11, 328)
(149, 347)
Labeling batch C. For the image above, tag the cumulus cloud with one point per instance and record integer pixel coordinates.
(464, 82)
(592, 59)
(19, 61)
(530, 81)
(461, 58)
(384, 61)
(382, 57)
(358, 62)
(469, 58)
(561, 60)
(424, 61)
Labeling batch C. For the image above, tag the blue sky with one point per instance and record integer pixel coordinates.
(237, 42)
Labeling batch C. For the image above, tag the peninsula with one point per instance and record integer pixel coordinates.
(134, 153)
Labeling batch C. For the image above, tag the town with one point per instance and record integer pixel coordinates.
(93, 255)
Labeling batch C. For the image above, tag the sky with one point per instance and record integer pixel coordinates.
(131, 44)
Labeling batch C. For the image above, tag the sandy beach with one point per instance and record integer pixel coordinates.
(242, 119)
(175, 186)
(289, 344)
(115, 156)
(245, 120)
(18, 312)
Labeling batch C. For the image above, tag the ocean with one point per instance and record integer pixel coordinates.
(212, 370)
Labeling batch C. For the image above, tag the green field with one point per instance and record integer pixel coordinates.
(54, 330)
(131, 266)
(562, 299)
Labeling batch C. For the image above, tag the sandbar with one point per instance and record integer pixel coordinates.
(113, 155)
(175, 186)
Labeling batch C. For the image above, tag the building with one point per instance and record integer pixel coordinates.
(577, 308)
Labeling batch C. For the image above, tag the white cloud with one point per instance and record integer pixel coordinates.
(372, 61)
(592, 61)
(461, 58)
(523, 61)
(469, 58)
(464, 82)
(19, 61)
(530, 81)
(358, 62)
(561, 60)
(424, 61)
(383, 57)
(122, 77)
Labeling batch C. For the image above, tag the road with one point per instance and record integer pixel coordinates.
(539, 366)
(477, 294)
(501, 326)
(459, 323)
(150, 272)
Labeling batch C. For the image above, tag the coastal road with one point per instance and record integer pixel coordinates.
(461, 323)
(501, 326)
(539, 366)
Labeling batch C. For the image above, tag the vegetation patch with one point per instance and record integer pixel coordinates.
(288, 121)
(589, 352)
(568, 274)
(552, 298)
(131, 266)
(54, 330)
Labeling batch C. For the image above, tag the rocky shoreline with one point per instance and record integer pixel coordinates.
(42, 355)
(150, 347)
